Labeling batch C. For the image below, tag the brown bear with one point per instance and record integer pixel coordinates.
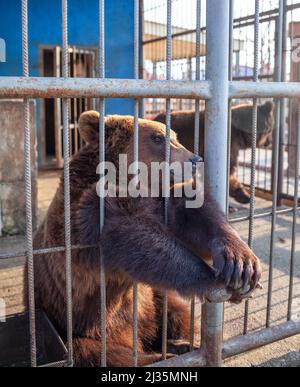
(137, 246)
(183, 123)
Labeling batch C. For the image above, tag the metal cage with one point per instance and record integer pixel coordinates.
(218, 90)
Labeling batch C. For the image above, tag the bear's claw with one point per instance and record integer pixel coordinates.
(236, 264)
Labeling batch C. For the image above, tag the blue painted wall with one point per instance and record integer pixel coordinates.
(45, 28)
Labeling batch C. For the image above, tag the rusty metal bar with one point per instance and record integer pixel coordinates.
(101, 64)
(276, 164)
(283, 78)
(34, 87)
(58, 364)
(136, 160)
(198, 75)
(28, 192)
(253, 150)
(230, 78)
(67, 188)
(242, 90)
(237, 345)
(196, 141)
(20, 87)
(167, 160)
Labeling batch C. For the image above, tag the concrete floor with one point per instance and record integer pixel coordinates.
(284, 353)
(287, 352)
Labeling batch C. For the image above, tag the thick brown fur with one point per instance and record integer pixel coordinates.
(136, 247)
(183, 123)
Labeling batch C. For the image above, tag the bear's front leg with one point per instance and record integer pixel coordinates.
(238, 191)
(136, 244)
(207, 232)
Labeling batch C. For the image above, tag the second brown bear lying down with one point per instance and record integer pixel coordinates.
(183, 123)
(136, 247)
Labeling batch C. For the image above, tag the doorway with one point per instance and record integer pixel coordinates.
(82, 64)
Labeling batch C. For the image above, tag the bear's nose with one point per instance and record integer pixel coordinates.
(195, 160)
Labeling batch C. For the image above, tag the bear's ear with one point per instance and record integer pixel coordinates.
(89, 126)
(268, 108)
(242, 118)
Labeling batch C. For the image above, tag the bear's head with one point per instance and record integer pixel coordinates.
(119, 139)
(242, 118)
(119, 132)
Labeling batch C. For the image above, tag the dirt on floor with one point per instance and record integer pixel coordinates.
(285, 353)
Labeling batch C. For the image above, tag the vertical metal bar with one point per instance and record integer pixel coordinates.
(282, 106)
(136, 159)
(216, 133)
(290, 125)
(230, 77)
(196, 142)
(167, 159)
(70, 107)
(57, 125)
(75, 102)
(253, 151)
(198, 69)
(276, 162)
(294, 229)
(141, 53)
(28, 191)
(102, 171)
(155, 101)
(67, 204)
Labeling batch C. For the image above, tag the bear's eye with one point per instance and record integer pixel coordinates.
(157, 139)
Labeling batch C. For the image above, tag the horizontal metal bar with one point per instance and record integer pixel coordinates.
(19, 87)
(264, 89)
(273, 12)
(58, 364)
(174, 36)
(263, 215)
(237, 345)
(191, 359)
(250, 77)
(21, 254)
(260, 339)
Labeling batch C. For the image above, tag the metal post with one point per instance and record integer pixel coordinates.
(216, 136)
